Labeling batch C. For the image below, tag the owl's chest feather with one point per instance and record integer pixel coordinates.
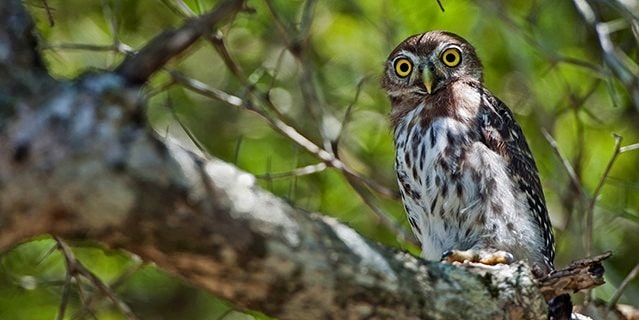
(455, 190)
(430, 169)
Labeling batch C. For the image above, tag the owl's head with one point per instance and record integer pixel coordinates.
(425, 63)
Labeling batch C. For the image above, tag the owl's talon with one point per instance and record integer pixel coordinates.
(497, 257)
(460, 256)
(489, 257)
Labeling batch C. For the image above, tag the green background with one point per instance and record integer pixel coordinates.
(539, 57)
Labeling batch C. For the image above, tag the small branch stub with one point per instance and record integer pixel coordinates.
(580, 275)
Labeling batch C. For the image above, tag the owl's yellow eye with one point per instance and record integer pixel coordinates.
(403, 67)
(451, 57)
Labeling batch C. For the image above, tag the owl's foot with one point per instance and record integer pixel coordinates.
(484, 256)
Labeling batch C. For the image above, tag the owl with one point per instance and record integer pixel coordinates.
(467, 178)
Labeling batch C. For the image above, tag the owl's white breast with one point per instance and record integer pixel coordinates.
(456, 190)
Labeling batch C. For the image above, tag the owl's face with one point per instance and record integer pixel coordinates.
(425, 63)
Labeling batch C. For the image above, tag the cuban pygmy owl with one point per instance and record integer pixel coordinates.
(467, 179)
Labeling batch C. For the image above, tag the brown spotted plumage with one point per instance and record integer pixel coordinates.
(466, 175)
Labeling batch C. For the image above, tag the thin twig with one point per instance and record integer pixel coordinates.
(300, 47)
(111, 20)
(66, 292)
(236, 70)
(306, 20)
(176, 9)
(81, 295)
(297, 44)
(626, 281)
(120, 47)
(580, 101)
(551, 55)
(348, 113)
(47, 253)
(217, 41)
(45, 4)
(303, 171)
(595, 195)
(565, 162)
(629, 148)
(281, 126)
(590, 211)
(236, 152)
(281, 27)
(186, 130)
(213, 93)
(276, 68)
(185, 8)
(277, 122)
(76, 268)
(621, 182)
(87, 305)
(290, 132)
(152, 91)
(269, 182)
(285, 128)
(386, 219)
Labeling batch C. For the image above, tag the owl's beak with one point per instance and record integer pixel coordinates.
(427, 77)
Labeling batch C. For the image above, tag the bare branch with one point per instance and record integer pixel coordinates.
(277, 120)
(384, 217)
(290, 132)
(551, 55)
(306, 170)
(74, 269)
(629, 148)
(119, 47)
(137, 68)
(49, 12)
(565, 162)
(626, 281)
(348, 113)
(593, 200)
(90, 301)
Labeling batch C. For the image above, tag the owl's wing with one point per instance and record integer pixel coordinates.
(502, 134)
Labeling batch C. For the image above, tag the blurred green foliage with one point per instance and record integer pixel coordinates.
(539, 58)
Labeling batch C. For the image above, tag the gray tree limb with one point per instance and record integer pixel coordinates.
(77, 160)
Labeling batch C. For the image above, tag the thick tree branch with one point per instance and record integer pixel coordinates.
(94, 171)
